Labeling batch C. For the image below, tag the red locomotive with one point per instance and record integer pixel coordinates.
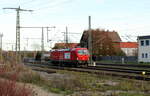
(73, 56)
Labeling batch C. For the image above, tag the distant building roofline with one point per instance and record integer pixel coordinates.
(144, 37)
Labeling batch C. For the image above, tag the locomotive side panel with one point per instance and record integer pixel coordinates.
(73, 56)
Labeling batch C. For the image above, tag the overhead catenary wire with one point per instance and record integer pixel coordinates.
(5, 2)
(27, 2)
(40, 4)
(129, 38)
(73, 39)
(57, 4)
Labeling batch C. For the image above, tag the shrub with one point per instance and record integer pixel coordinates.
(8, 87)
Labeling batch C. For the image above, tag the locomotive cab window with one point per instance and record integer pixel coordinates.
(83, 52)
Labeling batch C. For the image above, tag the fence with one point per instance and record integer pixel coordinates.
(117, 58)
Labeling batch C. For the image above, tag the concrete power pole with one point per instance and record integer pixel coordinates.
(67, 37)
(18, 29)
(42, 40)
(1, 43)
(48, 40)
(90, 40)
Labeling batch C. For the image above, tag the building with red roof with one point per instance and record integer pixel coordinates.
(129, 48)
(128, 44)
(102, 42)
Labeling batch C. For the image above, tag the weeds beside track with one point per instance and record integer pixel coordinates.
(116, 72)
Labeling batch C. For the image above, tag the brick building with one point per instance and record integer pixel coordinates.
(102, 42)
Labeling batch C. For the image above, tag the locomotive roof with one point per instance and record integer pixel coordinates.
(69, 49)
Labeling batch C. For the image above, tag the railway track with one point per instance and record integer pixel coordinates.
(123, 70)
(136, 69)
(99, 70)
(126, 65)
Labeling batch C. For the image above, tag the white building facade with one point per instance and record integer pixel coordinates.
(129, 48)
(144, 48)
(130, 51)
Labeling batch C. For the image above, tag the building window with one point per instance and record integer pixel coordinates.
(147, 42)
(146, 55)
(142, 55)
(142, 43)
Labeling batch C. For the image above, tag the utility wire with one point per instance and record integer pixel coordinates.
(54, 5)
(33, 4)
(129, 38)
(12, 3)
(40, 4)
(27, 2)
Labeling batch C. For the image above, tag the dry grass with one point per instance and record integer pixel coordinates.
(8, 86)
(96, 85)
